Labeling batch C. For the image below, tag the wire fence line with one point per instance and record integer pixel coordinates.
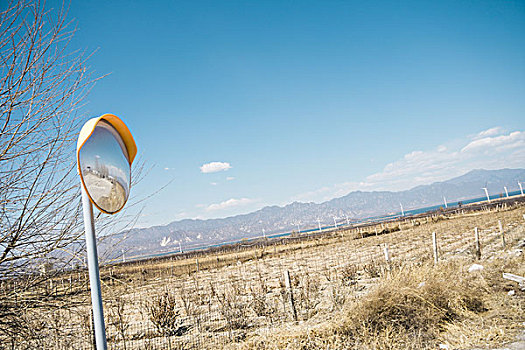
(342, 222)
(214, 305)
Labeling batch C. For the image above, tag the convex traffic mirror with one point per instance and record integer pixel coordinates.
(105, 152)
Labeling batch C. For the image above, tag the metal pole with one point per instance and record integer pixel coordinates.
(94, 276)
(435, 247)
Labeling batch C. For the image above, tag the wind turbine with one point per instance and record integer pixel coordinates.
(506, 192)
(347, 221)
(298, 228)
(319, 223)
(445, 201)
(180, 248)
(486, 193)
(402, 211)
(521, 188)
(264, 233)
(335, 223)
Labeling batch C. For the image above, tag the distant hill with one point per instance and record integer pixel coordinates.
(354, 205)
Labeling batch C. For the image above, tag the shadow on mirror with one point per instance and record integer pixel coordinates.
(105, 168)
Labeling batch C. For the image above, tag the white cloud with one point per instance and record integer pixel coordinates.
(181, 215)
(514, 140)
(498, 130)
(214, 167)
(229, 204)
(329, 192)
(213, 183)
(425, 167)
(230, 178)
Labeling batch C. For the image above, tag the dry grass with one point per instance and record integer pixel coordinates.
(346, 295)
(417, 308)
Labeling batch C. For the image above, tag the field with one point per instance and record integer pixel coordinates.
(375, 287)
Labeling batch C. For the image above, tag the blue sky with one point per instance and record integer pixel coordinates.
(305, 100)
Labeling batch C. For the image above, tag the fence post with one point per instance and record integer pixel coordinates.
(478, 247)
(288, 285)
(435, 247)
(502, 233)
(387, 255)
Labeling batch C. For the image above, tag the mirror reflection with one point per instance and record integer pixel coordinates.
(105, 168)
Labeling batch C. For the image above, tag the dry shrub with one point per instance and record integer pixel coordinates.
(387, 230)
(504, 317)
(259, 302)
(164, 314)
(374, 269)
(190, 300)
(47, 329)
(262, 302)
(308, 294)
(338, 294)
(339, 281)
(233, 305)
(416, 302)
(349, 275)
(118, 318)
(413, 308)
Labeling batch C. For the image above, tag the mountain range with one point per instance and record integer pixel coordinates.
(355, 205)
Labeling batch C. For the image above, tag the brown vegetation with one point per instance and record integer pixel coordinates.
(345, 294)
